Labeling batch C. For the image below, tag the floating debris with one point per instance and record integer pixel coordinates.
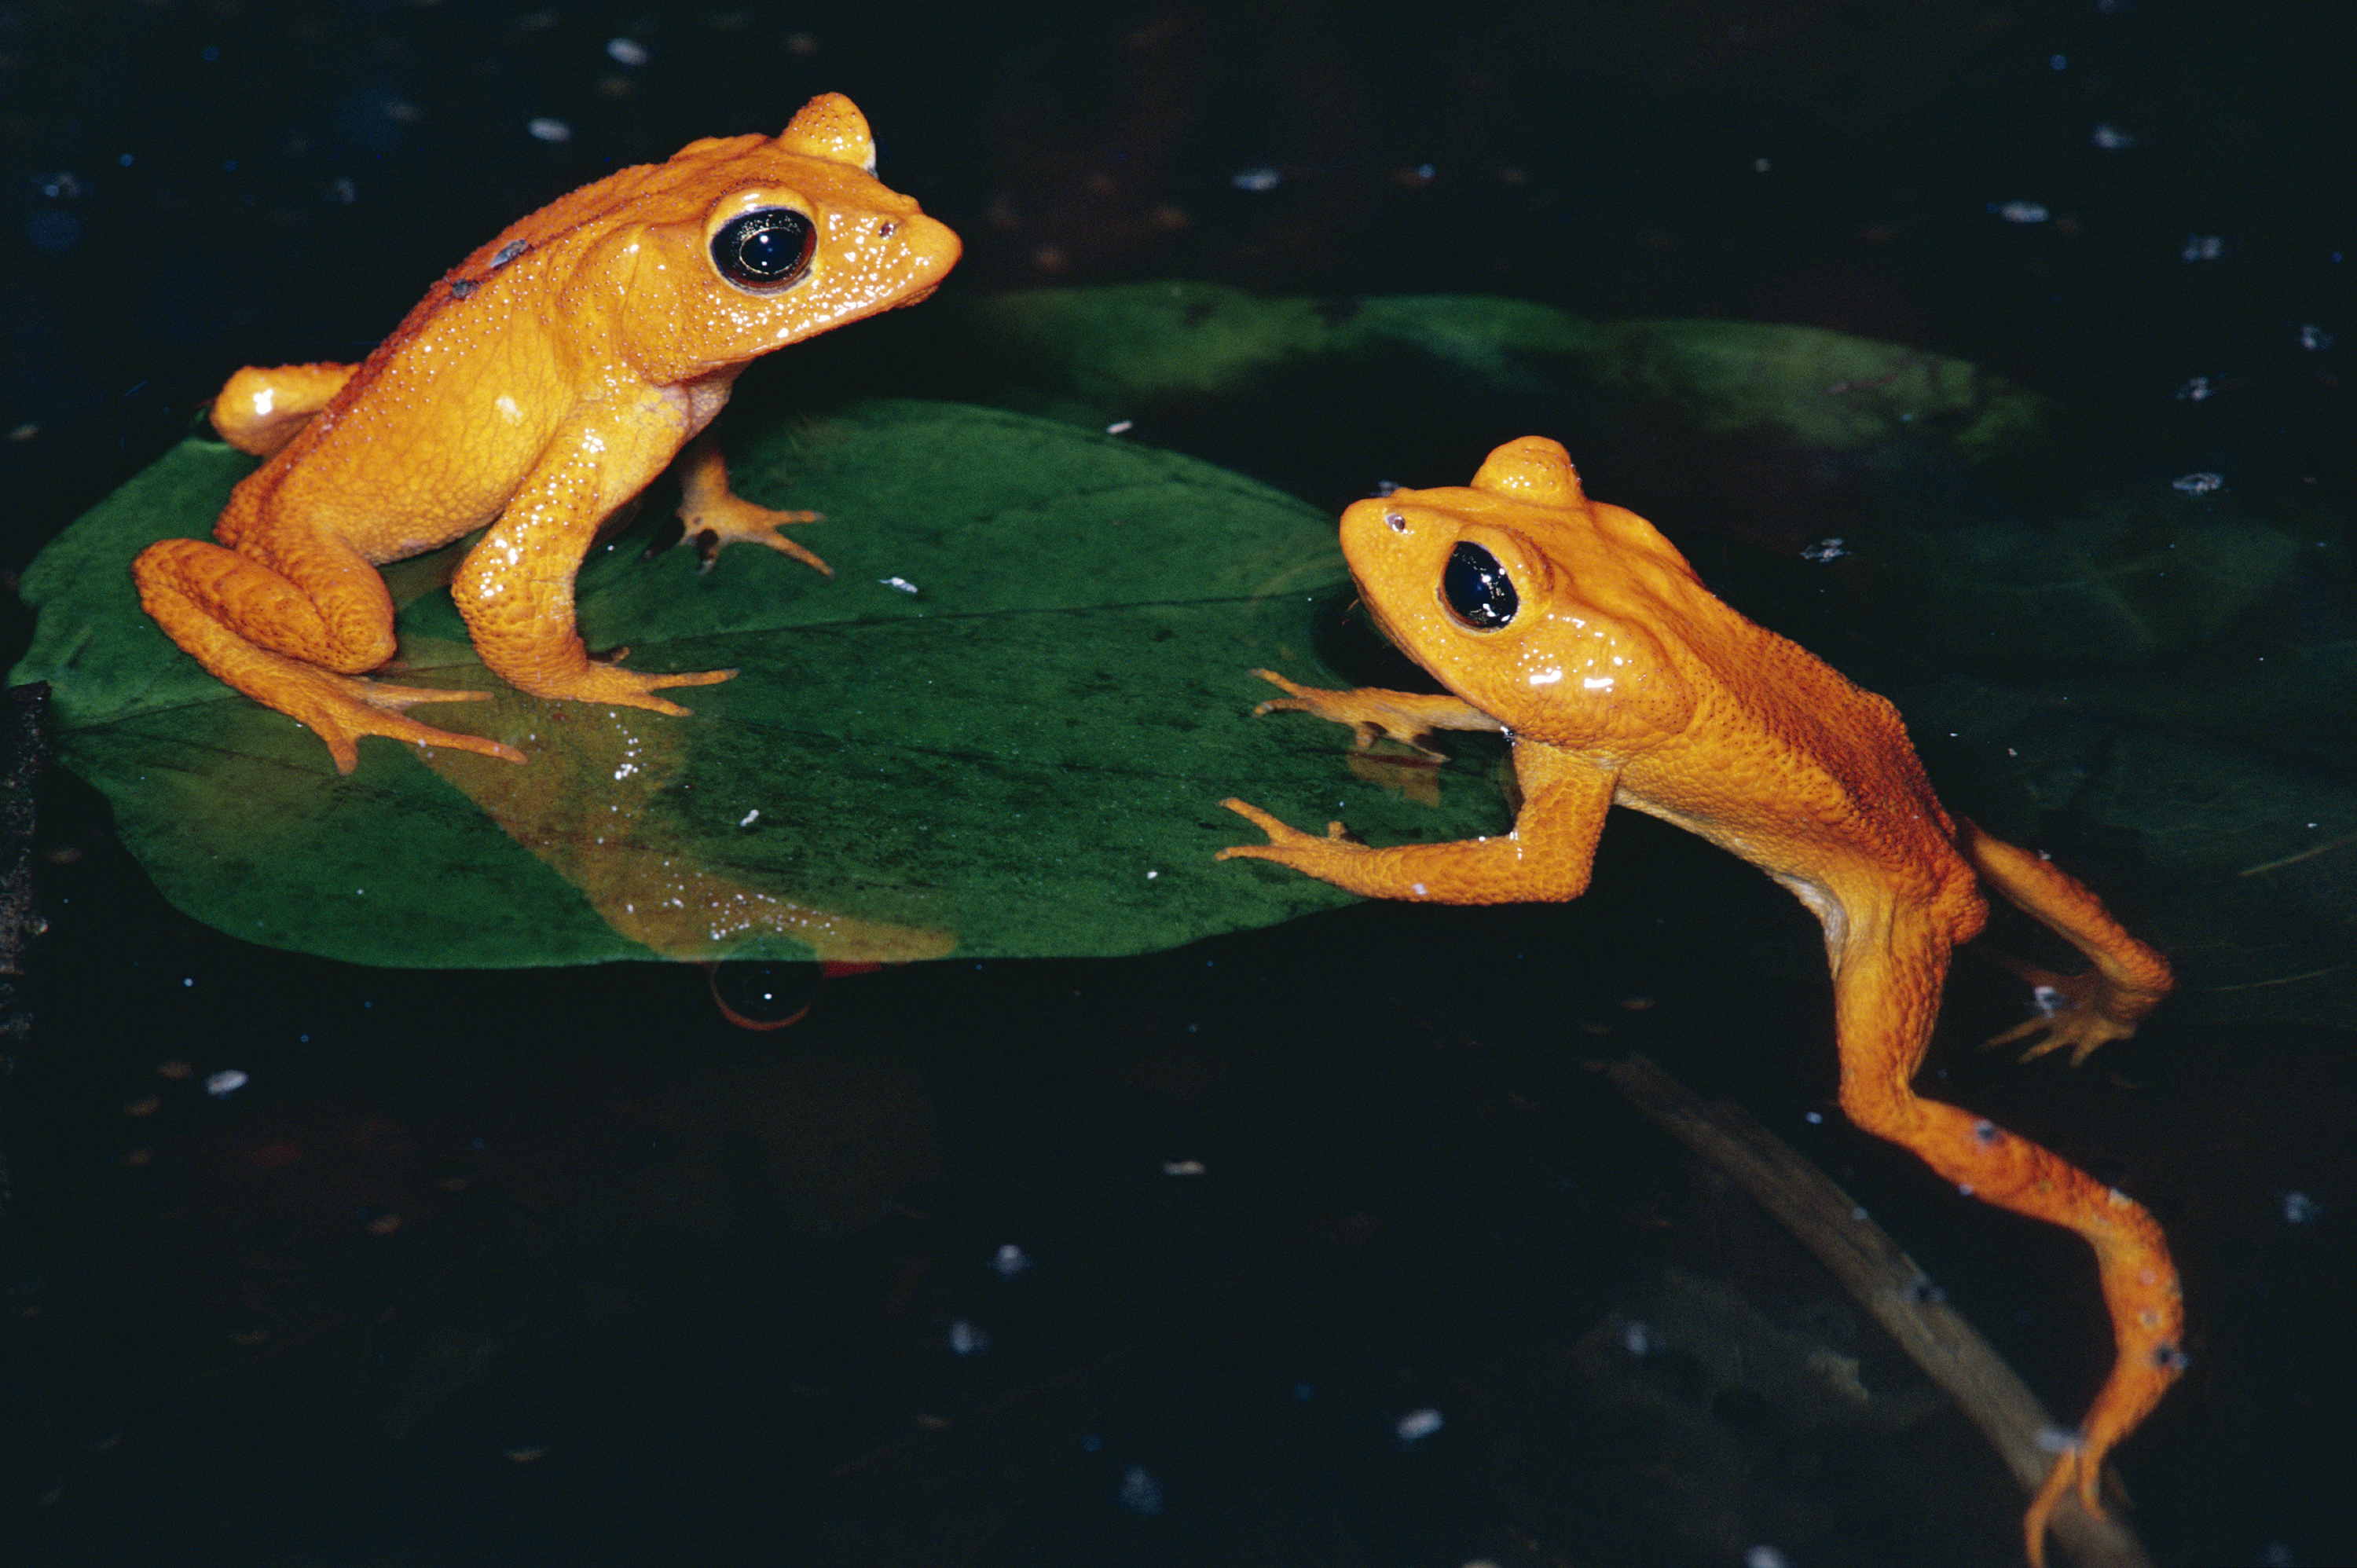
(1418, 1423)
(1140, 1492)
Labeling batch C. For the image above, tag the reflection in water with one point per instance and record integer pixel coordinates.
(1413, 777)
(760, 995)
(585, 805)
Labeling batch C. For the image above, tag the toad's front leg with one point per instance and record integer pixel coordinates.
(1408, 717)
(515, 587)
(1545, 858)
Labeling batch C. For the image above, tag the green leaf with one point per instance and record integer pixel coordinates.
(1025, 756)
(1796, 386)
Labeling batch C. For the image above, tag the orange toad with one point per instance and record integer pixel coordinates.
(537, 390)
(1577, 630)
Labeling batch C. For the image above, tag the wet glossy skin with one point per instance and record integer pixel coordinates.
(536, 390)
(1579, 630)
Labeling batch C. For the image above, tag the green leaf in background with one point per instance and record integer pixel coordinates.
(1777, 435)
(1003, 729)
(1797, 385)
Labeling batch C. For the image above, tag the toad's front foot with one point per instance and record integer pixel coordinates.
(716, 517)
(1371, 714)
(608, 682)
(1291, 847)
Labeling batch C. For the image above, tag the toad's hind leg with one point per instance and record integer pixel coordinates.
(1886, 993)
(297, 639)
(2125, 980)
(262, 408)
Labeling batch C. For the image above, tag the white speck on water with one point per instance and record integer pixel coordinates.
(1418, 1423)
(1140, 1492)
(1256, 180)
(222, 1084)
(546, 128)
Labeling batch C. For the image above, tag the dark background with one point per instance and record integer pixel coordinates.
(656, 1285)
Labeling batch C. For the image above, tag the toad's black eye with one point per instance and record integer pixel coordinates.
(1477, 589)
(766, 250)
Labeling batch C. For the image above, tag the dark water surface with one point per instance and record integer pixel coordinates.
(1178, 1260)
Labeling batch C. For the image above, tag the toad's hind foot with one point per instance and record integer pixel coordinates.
(2148, 1363)
(340, 709)
(716, 517)
(2125, 979)
(2082, 1012)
